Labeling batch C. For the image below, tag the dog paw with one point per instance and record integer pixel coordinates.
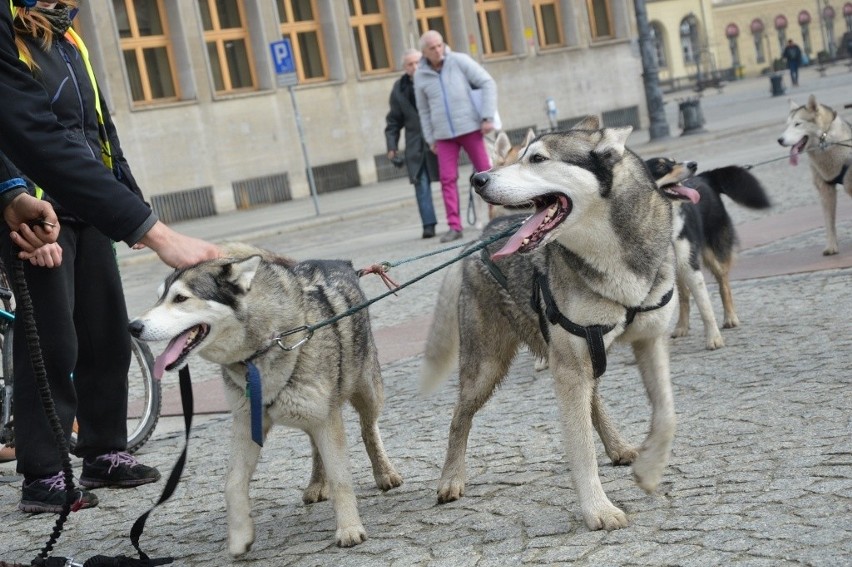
(714, 342)
(623, 457)
(731, 322)
(680, 332)
(388, 480)
(317, 492)
(606, 517)
(449, 491)
(647, 473)
(240, 543)
(829, 251)
(351, 536)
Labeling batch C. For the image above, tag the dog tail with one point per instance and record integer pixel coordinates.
(442, 344)
(738, 184)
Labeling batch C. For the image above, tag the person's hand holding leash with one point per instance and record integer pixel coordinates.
(33, 223)
(47, 256)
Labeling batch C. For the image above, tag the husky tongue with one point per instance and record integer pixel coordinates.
(794, 155)
(525, 231)
(171, 354)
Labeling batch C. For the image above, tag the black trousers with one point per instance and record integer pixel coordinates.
(81, 319)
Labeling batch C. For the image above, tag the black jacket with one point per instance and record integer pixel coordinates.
(56, 158)
(403, 114)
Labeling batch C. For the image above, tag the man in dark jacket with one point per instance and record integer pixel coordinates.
(422, 164)
(30, 134)
(793, 54)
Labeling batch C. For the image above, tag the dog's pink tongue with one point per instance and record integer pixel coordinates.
(171, 354)
(794, 155)
(517, 239)
(687, 192)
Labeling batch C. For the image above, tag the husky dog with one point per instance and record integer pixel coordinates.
(593, 264)
(827, 138)
(233, 312)
(704, 231)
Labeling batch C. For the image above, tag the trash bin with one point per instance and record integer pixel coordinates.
(777, 82)
(691, 119)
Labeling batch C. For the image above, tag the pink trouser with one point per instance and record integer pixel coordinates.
(448, 167)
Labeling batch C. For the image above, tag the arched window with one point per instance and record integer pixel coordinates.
(732, 32)
(805, 23)
(757, 28)
(781, 29)
(689, 39)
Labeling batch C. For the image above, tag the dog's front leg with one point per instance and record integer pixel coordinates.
(243, 461)
(330, 438)
(652, 356)
(828, 199)
(574, 390)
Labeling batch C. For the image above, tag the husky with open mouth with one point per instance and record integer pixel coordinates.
(236, 312)
(817, 130)
(594, 264)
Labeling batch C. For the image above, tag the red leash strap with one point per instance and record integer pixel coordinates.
(380, 270)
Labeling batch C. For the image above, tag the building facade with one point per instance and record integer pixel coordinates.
(207, 128)
(696, 39)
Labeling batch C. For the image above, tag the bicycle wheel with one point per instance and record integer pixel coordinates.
(143, 398)
(7, 435)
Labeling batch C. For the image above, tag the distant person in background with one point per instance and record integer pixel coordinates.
(422, 164)
(793, 55)
(443, 85)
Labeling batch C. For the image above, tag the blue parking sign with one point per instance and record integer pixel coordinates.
(285, 64)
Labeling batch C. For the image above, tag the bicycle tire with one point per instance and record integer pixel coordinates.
(144, 398)
(6, 433)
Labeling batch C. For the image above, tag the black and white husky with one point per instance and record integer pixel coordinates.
(592, 265)
(235, 312)
(704, 232)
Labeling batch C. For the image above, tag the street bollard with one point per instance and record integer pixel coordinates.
(777, 83)
(690, 119)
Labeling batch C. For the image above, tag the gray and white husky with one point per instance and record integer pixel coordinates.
(819, 131)
(594, 264)
(234, 310)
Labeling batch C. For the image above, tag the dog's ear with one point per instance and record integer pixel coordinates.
(612, 143)
(241, 272)
(588, 123)
(812, 103)
(528, 138)
(502, 145)
(794, 105)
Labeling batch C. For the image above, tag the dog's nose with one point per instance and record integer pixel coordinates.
(781, 141)
(692, 165)
(136, 327)
(480, 181)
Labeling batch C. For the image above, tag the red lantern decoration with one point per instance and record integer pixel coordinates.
(780, 22)
(756, 26)
(732, 30)
(804, 18)
(828, 13)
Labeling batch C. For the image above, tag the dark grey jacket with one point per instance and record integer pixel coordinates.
(403, 114)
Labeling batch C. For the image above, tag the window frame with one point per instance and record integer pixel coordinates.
(138, 43)
(292, 29)
(481, 9)
(359, 22)
(220, 35)
(423, 14)
(590, 7)
(537, 14)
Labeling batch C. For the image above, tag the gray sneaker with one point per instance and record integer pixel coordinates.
(452, 235)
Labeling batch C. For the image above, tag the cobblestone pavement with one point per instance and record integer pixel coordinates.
(761, 467)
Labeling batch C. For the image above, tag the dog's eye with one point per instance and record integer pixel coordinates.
(537, 158)
(179, 298)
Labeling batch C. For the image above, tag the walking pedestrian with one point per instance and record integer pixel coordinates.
(421, 162)
(444, 86)
(793, 55)
(78, 304)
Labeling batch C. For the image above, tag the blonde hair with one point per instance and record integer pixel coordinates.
(33, 23)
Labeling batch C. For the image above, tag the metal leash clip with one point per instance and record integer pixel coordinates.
(303, 340)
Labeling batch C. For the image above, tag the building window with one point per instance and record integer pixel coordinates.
(431, 15)
(600, 18)
(689, 39)
(367, 19)
(143, 33)
(547, 23)
(491, 16)
(658, 45)
(228, 48)
(300, 22)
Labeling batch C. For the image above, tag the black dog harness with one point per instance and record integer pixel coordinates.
(593, 334)
(839, 179)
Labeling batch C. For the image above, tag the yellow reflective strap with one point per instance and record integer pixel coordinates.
(106, 153)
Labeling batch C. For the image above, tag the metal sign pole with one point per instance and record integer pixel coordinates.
(285, 69)
(308, 168)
